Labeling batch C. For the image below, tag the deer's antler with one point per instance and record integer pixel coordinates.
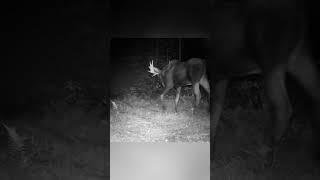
(153, 70)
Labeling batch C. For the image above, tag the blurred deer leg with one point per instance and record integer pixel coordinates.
(280, 108)
(205, 84)
(217, 101)
(162, 96)
(177, 98)
(197, 94)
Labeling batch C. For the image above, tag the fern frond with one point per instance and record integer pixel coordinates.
(15, 140)
(15, 145)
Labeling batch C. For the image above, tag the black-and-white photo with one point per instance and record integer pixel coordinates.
(155, 95)
(160, 89)
(53, 115)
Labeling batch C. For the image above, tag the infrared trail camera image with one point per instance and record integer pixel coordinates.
(272, 39)
(158, 98)
(262, 67)
(160, 89)
(53, 115)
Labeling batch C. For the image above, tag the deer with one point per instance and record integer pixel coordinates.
(269, 36)
(177, 74)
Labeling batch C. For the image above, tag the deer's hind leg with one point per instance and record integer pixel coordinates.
(197, 93)
(177, 99)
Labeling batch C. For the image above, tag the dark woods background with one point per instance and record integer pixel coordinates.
(47, 43)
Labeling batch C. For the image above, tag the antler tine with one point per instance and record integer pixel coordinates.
(150, 66)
